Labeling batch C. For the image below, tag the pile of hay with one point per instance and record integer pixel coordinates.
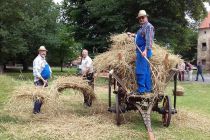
(76, 83)
(21, 102)
(121, 58)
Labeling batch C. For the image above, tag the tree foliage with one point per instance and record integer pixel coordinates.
(10, 41)
(94, 20)
(67, 50)
(27, 24)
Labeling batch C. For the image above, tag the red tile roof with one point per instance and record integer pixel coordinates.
(206, 22)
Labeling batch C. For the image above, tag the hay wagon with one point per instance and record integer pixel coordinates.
(145, 104)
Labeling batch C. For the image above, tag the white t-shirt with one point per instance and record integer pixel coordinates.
(86, 63)
(38, 65)
(181, 67)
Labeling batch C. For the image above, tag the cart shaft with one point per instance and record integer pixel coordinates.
(151, 135)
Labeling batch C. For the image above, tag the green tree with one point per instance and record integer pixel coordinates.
(94, 20)
(25, 25)
(11, 42)
(189, 49)
(67, 49)
(39, 28)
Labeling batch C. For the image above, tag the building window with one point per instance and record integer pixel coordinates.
(204, 47)
(203, 61)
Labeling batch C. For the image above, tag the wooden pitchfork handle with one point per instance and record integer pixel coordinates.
(141, 53)
(146, 57)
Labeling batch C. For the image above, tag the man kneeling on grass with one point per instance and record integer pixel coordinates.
(42, 72)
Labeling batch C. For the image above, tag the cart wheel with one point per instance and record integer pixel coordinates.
(166, 117)
(117, 109)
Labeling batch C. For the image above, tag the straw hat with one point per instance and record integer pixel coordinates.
(142, 13)
(42, 48)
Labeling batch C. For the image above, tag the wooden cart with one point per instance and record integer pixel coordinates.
(145, 104)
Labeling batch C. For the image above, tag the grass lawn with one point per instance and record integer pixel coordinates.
(196, 97)
(76, 122)
(28, 75)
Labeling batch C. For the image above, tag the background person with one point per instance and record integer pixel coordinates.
(86, 68)
(181, 69)
(199, 71)
(86, 63)
(189, 68)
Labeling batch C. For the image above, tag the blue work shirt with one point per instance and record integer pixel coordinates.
(146, 31)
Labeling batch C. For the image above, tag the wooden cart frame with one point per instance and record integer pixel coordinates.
(145, 104)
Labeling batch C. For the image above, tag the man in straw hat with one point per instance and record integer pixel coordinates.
(42, 72)
(143, 40)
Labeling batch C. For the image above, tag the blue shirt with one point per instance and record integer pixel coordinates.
(147, 32)
(199, 67)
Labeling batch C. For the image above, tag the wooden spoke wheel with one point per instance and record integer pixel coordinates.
(166, 117)
(117, 109)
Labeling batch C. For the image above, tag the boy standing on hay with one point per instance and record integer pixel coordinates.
(42, 72)
(143, 40)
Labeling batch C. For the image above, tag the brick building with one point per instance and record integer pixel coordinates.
(203, 47)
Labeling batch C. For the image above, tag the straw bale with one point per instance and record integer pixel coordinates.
(121, 58)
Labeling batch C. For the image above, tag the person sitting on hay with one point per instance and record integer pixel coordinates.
(42, 72)
(86, 69)
(143, 40)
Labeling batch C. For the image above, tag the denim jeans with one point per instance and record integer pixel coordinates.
(199, 73)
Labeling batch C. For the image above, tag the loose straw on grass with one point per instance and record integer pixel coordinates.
(21, 102)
